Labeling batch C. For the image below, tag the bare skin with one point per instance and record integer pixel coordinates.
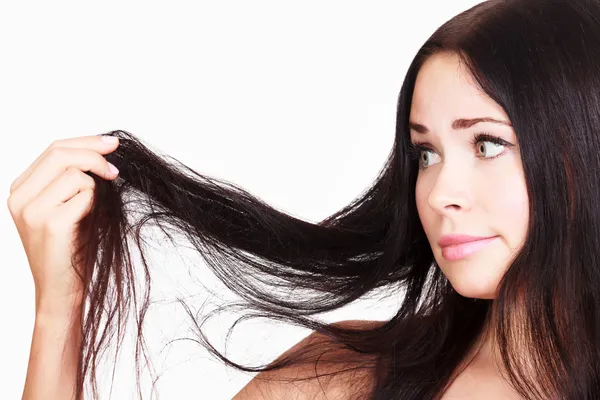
(484, 376)
(480, 382)
(46, 202)
(357, 384)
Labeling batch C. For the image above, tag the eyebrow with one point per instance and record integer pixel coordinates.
(461, 123)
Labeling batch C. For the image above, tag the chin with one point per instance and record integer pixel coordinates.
(475, 287)
(470, 278)
(472, 285)
(473, 293)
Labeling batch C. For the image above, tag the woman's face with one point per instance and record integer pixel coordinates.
(466, 188)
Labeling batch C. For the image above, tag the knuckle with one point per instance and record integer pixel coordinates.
(10, 203)
(56, 153)
(72, 172)
(89, 194)
(82, 179)
(55, 143)
(14, 205)
(30, 218)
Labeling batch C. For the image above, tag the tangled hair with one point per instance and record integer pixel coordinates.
(538, 59)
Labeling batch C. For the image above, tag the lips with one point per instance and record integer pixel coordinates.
(456, 247)
(448, 240)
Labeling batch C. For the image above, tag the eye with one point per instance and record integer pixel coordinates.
(419, 152)
(424, 159)
(494, 148)
(487, 147)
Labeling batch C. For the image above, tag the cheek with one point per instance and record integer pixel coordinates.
(425, 212)
(507, 204)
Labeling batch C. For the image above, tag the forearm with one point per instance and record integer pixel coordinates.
(53, 357)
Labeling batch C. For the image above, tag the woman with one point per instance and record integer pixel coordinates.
(496, 138)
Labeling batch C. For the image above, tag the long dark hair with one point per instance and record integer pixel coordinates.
(538, 59)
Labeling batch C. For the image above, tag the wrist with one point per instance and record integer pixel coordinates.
(57, 306)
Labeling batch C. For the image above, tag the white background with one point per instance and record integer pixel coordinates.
(294, 101)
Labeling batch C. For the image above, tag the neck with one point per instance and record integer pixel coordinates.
(485, 352)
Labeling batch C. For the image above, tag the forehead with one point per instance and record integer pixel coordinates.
(445, 91)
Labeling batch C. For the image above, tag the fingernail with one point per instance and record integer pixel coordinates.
(113, 169)
(110, 139)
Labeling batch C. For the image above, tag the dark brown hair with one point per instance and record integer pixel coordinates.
(538, 59)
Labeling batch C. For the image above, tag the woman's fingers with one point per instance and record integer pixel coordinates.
(61, 190)
(55, 162)
(96, 143)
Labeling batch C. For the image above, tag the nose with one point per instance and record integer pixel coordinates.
(451, 190)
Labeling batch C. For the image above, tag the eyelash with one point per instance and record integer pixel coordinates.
(415, 149)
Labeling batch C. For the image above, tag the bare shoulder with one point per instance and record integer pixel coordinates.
(273, 385)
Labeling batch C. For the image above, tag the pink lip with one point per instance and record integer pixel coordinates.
(455, 247)
(448, 240)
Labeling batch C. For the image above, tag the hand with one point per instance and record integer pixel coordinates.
(48, 200)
